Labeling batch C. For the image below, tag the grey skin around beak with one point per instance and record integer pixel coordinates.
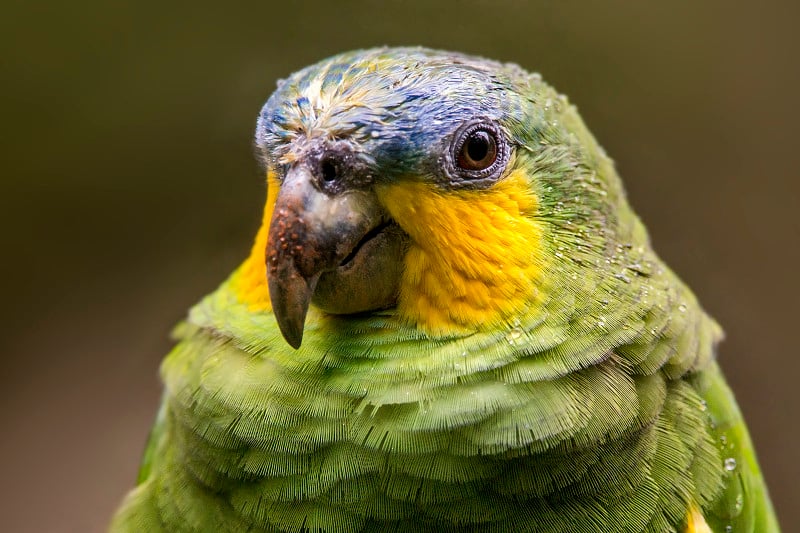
(332, 243)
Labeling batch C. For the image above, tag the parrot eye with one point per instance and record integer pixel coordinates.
(479, 153)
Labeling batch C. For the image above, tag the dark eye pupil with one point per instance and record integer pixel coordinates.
(478, 152)
(478, 145)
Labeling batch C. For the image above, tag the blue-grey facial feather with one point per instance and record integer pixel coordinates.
(357, 97)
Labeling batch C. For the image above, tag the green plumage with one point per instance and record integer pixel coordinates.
(600, 410)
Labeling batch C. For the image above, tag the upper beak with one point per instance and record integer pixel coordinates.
(311, 232)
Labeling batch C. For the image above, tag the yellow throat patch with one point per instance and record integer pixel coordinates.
(250, 280)
(476, 255)
(475, 259)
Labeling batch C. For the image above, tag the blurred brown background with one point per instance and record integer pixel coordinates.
(129, 190)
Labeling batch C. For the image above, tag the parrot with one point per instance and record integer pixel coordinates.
(450, 320)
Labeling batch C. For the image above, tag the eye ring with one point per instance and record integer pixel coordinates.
(478, 153)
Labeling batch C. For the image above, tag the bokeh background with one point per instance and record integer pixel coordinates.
(129, 189)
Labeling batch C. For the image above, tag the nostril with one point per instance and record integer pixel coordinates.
(328, 169)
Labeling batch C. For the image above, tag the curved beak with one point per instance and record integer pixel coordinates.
(311, 232)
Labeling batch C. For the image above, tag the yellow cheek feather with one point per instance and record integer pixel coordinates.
(250, 280)
(476, 256)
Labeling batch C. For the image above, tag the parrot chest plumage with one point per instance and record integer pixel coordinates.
(476, 433)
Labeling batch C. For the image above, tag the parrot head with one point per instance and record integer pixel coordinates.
(442, 186)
